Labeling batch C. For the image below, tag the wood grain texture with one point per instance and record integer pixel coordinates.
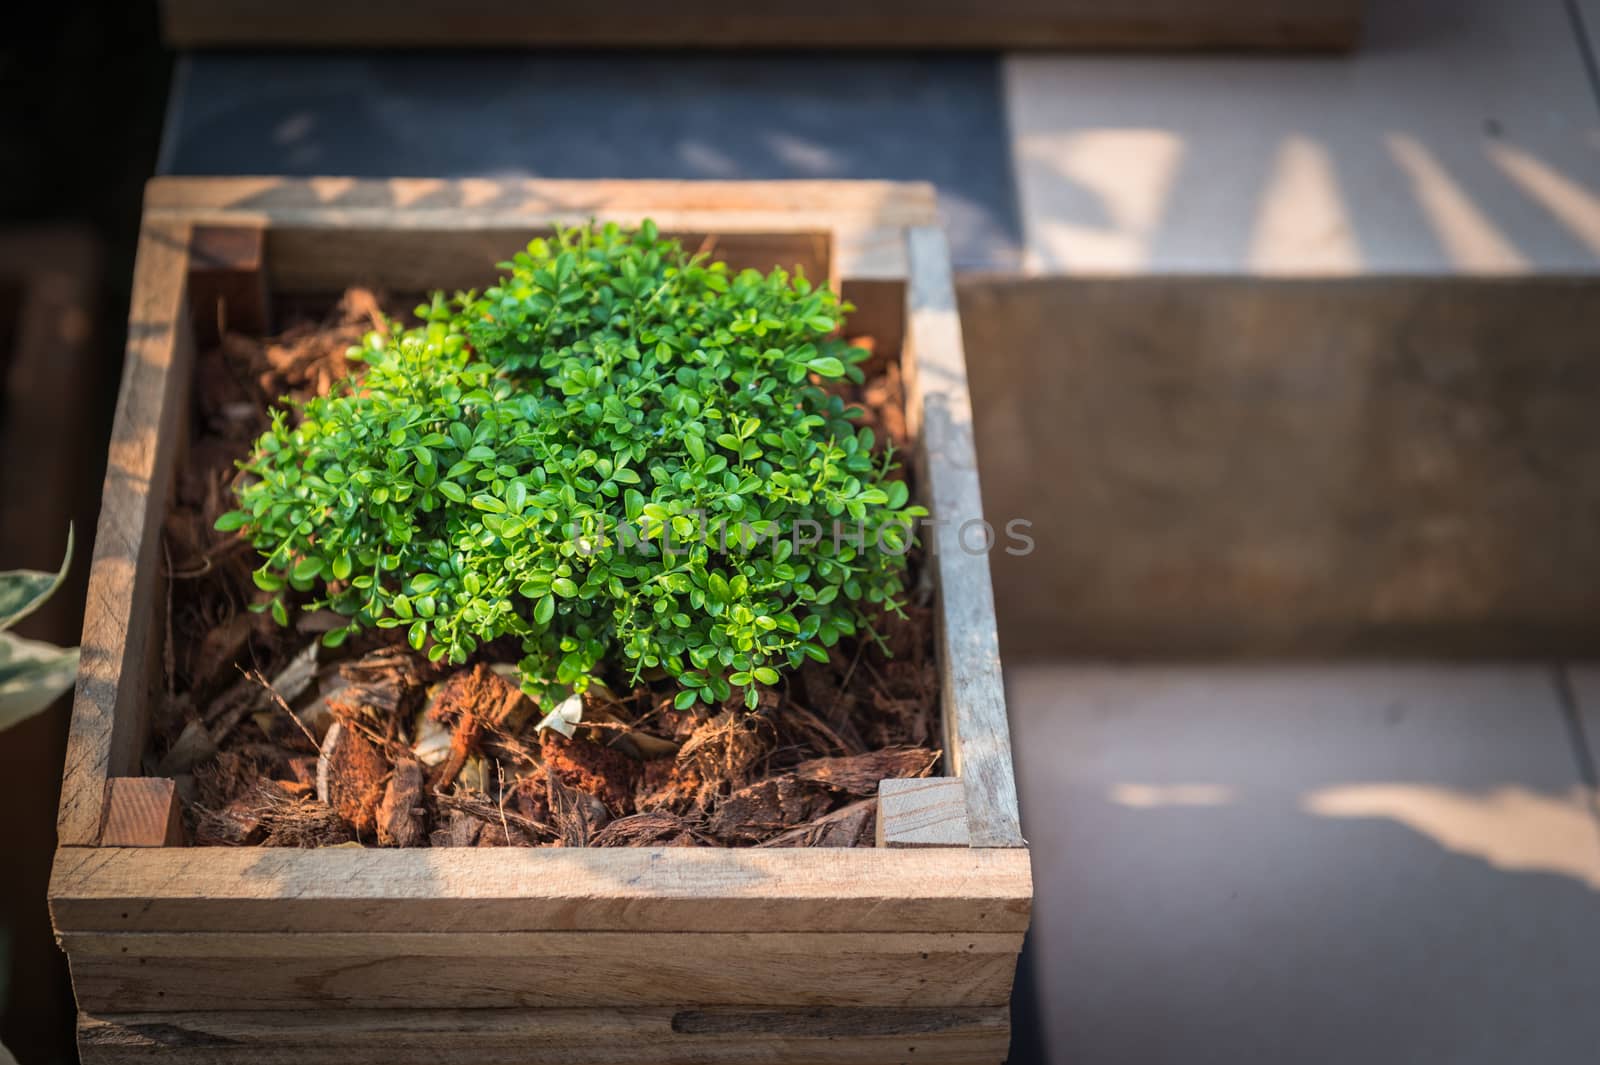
(939, 411)
(866, 219)
(1250, 467)
(142, 812)
(491, 946)
(107, 732)
(684, 973)
(646, 889)
(227, 281)
(552, 1037)
(1148, 24)
(927, 812)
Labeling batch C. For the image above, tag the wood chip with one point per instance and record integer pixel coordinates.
(193, 746)
(859, 774)
(653, 829)
(350, 774)
(852, 826)
(400, 814)
(757, 811)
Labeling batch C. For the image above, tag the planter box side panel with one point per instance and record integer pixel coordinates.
(828, 1036)
(120, 638)
(977, 734)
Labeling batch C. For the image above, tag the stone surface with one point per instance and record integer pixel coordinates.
(935, 118)
(1307, 863)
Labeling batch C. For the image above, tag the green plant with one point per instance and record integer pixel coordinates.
(32, 673)
(616, 454)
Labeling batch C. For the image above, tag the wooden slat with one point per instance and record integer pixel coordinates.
(420, 260)
(1144, 24)
(648, 889)
(141, 812)
(107, 733)
(552, 1037)
(227, 281)
(494, 945)
(925, 812)
(977, 739)
(867, 218)
(672, 969)
(1292, 468)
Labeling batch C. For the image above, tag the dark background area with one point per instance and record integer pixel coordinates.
(84, 86)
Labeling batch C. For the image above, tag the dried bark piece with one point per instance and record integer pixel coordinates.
(460, 830)
(599, 771)
(654, 829)
(859, 774)
(193, 746)
(756, 811)
(350, 776)
(241, 823)
(850, 826)
(220, 647)
(483, 694)
(228, 776)
(400, 813)
(377, 701)
(665, 784)
(394, 666)
(577, 814)
(503, 822)
(306, 823)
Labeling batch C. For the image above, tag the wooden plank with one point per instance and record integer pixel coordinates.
(552, 1037)
(257, 889)
(107, 732)
(227, 281)
(142, 812)
(866, 218)
(927, 812)
(422, 260)
(1145, 24)
(495, 945)
(939, 410)
(1292, 468)
(676, 970)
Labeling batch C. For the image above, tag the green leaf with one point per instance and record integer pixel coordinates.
(22, 591)
(564, 587)
(766, 674)
(233, 519)
(826, 366)
(452, 491)
(545, 609)
(308, 569)
(33, 674)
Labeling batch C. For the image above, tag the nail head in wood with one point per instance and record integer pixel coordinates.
(922, 812)
(142, 812)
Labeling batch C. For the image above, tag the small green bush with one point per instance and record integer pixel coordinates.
(611, 454)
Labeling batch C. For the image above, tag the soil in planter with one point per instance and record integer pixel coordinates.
(277, 741)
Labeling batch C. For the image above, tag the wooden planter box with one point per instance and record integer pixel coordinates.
(905, 952)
